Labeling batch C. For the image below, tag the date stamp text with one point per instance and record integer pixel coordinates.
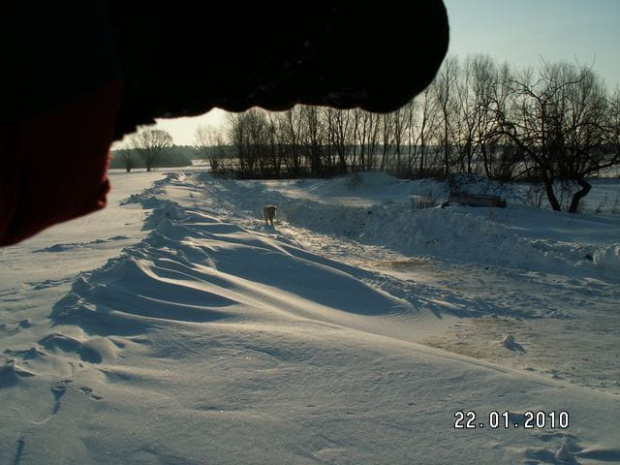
(510, 420)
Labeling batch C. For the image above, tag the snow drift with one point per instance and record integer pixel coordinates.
(354, 331)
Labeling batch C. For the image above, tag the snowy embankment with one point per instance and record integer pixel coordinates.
(352, 332)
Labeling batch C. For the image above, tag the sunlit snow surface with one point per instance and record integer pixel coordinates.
(175, 327)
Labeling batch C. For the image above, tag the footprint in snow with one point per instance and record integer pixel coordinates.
(59, 389)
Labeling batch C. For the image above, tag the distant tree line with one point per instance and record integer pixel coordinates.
(149, 148)
(557, 125)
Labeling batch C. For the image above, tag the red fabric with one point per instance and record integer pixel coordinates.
(53, 167)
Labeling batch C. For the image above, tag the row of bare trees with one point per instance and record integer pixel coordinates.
(554, 125)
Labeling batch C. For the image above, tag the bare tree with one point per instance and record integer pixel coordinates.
(387, 137)
(443, 91)
(558, 121)
(367, 136)
(400, 124)
(340, 135)
(207, 139)
(250, 134)
(423, 133)
(585, 137)
(477, 85)
(209, 143)
(467, 112)
(500, 156)
(312, 138)
(288, 127)
(127, 155)
(613, 122)
(151, 145)
(275, 156)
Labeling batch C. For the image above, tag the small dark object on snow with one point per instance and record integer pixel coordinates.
(477, 200)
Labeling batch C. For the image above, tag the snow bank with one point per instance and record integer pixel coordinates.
(378, 209)
(219, 340)
(194, 269)
(608, 258)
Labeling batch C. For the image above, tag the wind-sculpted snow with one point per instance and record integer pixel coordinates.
(492, 266)
(71, 246)
(194, 269)
(608, 258)
(354, 331)
(378, 210)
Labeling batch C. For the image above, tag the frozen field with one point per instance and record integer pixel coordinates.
(176, 328)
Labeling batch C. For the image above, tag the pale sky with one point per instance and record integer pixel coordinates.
(521, 32)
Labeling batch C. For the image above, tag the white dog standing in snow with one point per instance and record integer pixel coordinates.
(269, 212)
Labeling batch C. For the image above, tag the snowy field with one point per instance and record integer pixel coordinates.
(176, 328)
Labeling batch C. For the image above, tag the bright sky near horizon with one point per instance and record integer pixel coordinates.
(521, 32)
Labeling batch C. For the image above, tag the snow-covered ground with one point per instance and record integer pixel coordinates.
(175, 327)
